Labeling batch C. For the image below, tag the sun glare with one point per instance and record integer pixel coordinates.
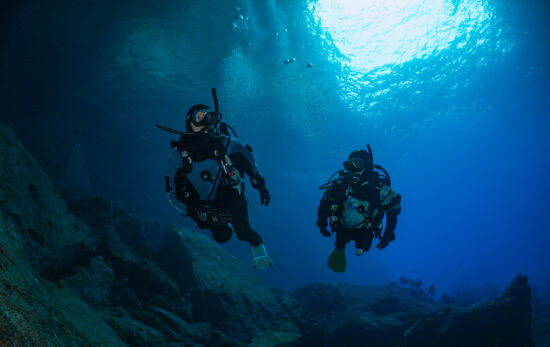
(370, 34)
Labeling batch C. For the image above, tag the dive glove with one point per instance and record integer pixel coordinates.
(386, 239)
(265, 197)
(258, 182)
(323, 228)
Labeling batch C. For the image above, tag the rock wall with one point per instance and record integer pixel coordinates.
(352, 315)
(504, 321)
(97, 272)
(39, 242)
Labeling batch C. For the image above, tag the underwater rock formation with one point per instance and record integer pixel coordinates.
(185, 277)
(76, 270)
(352, 315)
(105, 282)
(504, 321)
(39, 242)
(226, 293)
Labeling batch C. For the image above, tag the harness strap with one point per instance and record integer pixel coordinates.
(225, 166)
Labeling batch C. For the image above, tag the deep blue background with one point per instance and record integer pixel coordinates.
(84, 85)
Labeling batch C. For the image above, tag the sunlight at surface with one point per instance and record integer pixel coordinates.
(375, 33)
(391, 54)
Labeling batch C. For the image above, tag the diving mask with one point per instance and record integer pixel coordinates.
(204, 117)
(353, 165)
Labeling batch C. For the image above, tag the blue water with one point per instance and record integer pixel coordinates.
(453, 97)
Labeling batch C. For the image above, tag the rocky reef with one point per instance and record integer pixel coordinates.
(76, 270)
(504, 321)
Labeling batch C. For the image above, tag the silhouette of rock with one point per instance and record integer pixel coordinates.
(504, 321)
(39, 243)
(187, 277)
(227, 294)
(351, 315)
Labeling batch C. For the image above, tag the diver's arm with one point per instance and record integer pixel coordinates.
(172, 181)
(258, 182)
(323, 213)
(242, 159)
(391, 223)
(391, 204)
(389, 232)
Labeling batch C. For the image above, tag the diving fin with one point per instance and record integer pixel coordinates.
(337, 260)
(260, 259)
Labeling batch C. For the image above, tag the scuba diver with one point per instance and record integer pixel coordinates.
(355, 202)
(205, 179)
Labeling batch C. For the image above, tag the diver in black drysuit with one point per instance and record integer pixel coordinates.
(355, 203)
(205, 181)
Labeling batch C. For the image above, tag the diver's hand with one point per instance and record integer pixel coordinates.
(265, 197)
(325, 232)
(386, 239)
(323, 229)
(258, 182)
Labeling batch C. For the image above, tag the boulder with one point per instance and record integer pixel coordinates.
(352, 315)
(122, 242)
(283, 334)
(504, 321)
(174, 258)
(93, 283)
(226, 293)
(104, 217)
(35, 211)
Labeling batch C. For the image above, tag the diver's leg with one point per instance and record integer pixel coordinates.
(363, 241)
(260, 259)
(242, 225)
(343, 236)
(221, 233)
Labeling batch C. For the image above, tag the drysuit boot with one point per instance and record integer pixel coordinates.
(260, 259)
(337, 260)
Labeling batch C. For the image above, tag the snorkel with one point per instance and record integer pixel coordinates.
(216, 105)
(222, 126)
